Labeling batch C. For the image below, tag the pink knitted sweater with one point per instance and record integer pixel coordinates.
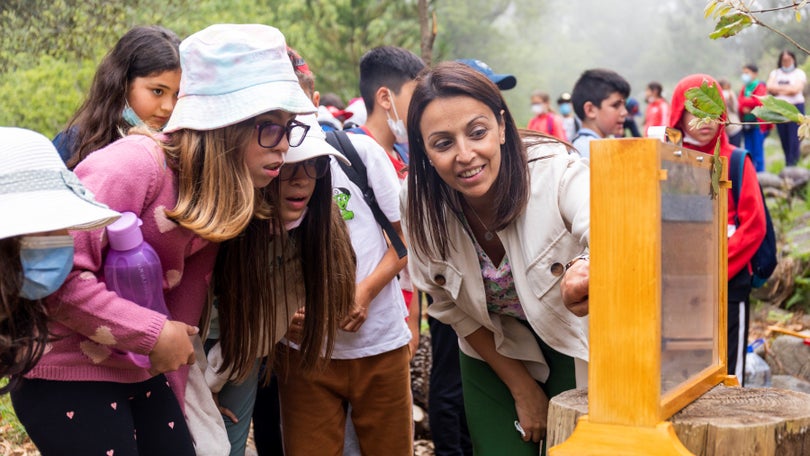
(92, 327)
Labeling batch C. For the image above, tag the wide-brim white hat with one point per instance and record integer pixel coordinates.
(233, 72)
(38, 193)
(314, 144)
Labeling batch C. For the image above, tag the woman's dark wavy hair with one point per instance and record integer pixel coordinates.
(429, 197)
(141, 52)
(247, 285)
(782, 54)
(23, 322)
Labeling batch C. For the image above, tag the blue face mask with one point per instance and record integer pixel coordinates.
(746, 78)
(46, 262)
(129, 116)
(565, 109)
(788, 69)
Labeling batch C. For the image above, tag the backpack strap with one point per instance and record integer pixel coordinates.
(736, 167)
(581, 133)
(357, 174)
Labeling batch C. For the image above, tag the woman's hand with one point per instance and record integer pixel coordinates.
(225, 411)
(574, 286)
(357, 316)
(173, 348)
(359, 312)
(296, 329)
(531, 404)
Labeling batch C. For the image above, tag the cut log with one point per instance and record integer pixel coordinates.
(724, 421)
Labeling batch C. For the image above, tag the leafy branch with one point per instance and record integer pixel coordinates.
(706, 104)
(734, 16)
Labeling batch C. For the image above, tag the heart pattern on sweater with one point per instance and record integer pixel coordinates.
(104, 336)
(173, 277)
(87, 275)
(164, 225)
(70, 414)
(97, 353)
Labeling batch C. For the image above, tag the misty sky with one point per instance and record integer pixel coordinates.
(643, 40)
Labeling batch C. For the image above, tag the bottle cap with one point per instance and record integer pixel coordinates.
(125, 233)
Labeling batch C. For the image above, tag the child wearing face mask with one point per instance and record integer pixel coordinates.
(40, 201)
(753, 135)
(387, 75)
(197, 184)
(746, 218)
(787, 83)
(135, 84)
(545, 120)
(571, 123)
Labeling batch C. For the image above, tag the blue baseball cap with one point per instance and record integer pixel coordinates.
(503, 81)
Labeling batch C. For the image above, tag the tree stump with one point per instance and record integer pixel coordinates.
(724, 421)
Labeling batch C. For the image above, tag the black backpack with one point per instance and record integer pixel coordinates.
(357, 173)
(764, 260)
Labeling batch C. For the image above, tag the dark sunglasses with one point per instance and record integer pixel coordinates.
(270, 133)
(314, 168)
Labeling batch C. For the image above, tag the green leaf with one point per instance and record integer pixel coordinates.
(722, 11)
(709, 8)
(729, 26)
(705, 102)
(780, 107)
(766, 115)
(717, 170)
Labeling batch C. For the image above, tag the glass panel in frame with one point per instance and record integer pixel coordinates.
(689, 268)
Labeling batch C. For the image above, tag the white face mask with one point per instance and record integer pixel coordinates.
(539, 108)
(397, 126)
(691, 140)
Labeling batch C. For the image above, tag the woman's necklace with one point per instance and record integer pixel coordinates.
(488, 235)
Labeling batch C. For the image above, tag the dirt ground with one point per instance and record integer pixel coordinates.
(762, 316)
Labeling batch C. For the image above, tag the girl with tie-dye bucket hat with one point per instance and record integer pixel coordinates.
(199, 183)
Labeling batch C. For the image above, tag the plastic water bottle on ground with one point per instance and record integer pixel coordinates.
(757, 371)
(132, 269)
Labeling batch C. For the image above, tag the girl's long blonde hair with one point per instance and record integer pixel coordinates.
(215, 194)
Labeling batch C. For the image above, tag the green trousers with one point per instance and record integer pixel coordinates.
(490, 407)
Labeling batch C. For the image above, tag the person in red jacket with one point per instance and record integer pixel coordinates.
(754, 135)
(746, 220)
(657, 108)
(545, 120)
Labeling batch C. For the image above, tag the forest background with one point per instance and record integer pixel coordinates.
(50, 48)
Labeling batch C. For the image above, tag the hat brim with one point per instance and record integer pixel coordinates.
(504, 81)
(313, 147)
(43, 211)
(208, 112)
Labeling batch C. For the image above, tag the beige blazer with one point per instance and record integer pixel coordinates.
(553, 230)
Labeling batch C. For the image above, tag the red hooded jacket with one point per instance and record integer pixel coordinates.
(749, 212)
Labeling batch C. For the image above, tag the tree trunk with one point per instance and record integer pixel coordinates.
(724, 421)
(428, 28)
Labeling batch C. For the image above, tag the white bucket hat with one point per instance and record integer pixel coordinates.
(38, 193)
(232, 72)
(314, 144)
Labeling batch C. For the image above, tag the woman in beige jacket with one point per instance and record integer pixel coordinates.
(495, 222)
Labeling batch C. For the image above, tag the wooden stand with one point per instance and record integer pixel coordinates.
(657, 296)
(724, 421)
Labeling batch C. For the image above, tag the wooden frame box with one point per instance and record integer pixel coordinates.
(657, 294)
